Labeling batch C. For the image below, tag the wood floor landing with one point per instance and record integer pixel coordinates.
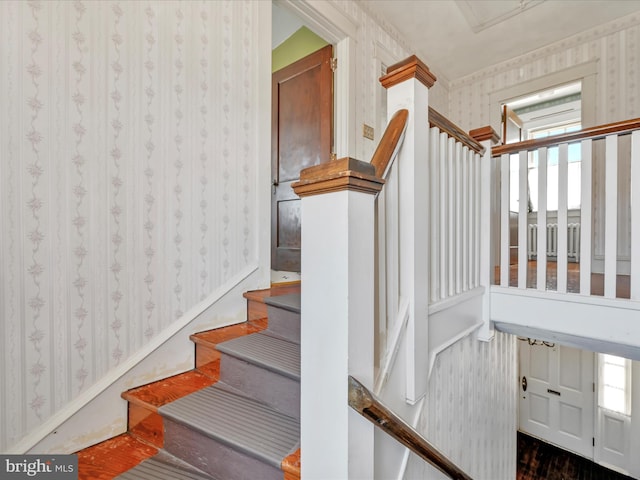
(538, 460)
(573, 279)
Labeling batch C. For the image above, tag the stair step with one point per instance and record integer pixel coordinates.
(290, 302)
(272, 353)
(265, 368)
(284, 316)
(257, 308)
(207, 341)
(144, 421)
(164, 467)
(112, 457)
(228, 435)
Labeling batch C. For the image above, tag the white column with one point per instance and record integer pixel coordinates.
(408, 84)
(337, 330)
(487, 137)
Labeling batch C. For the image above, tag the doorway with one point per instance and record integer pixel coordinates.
(301, 137)
(578, 400)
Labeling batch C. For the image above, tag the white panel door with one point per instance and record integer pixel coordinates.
(557, 396)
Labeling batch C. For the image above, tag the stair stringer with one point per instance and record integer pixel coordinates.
(100, 413)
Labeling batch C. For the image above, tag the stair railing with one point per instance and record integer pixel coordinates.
(370, 407)
(609, 230)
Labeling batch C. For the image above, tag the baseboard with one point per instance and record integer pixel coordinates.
(53, 436)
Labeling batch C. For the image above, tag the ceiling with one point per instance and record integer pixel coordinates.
(458, 37)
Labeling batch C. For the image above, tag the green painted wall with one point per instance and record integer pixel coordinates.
(297, 46)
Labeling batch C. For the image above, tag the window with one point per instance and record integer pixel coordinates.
(615, 384)
(574, 170)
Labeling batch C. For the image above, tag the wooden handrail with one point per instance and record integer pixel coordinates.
(390, 142)
(367, 405)
(594, 133)
(444, 124)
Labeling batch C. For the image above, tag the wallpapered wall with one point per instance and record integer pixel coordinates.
(615, 46)
(128, 137)
(470, 409)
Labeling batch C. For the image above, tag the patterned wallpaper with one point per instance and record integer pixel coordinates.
(470, 409)
(615, 46)
(128, 153)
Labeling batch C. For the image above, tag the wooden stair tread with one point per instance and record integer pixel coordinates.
(213, 337)
(291, 466)
(112, 457)
(275, 290)
(156, 394)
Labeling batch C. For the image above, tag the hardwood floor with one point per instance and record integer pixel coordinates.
(538, 460)
(573, 279)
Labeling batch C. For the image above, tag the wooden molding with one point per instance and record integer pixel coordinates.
(370, 407)
(485, 133)
(411, 67)
(342, 174)
(436, 119)
(390, 142)
(594, 133)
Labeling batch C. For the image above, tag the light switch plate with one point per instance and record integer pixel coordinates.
(367, 131)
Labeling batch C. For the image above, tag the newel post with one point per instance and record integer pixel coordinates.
(489, 211)
(407, 83)
(337, 304)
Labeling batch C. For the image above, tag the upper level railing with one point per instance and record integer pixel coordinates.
(593, 175)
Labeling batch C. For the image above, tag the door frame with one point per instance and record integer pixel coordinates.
(336, 28)
(593, 397)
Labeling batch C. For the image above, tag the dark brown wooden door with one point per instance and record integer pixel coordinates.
(301, 126)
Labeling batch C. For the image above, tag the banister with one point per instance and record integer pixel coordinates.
(390, 142)
(367, 405)
(436, 119)
(621, 128)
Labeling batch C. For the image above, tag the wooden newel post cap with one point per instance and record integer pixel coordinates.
(342, 174)
(411, 67)
(485, 133)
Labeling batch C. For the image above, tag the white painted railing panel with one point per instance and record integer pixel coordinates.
(635, 216)
(585, 217)
(444, 216)
(504, 220)
(542, 219)
(464, 222)
(611, 216)
(451, 173)
(523, 209)
(457, 223)
(454, 171)
(563, 177)
(434, 214)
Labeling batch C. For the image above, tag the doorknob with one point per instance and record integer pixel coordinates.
(524, 384)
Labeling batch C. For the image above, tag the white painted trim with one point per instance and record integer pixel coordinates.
(433, 352)
(390, 355)
(323, 18)
(407, 452)
(455, 300)
(574, 298)
(97, 388)
(584, 72)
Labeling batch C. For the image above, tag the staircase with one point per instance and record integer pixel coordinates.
(235, 416)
